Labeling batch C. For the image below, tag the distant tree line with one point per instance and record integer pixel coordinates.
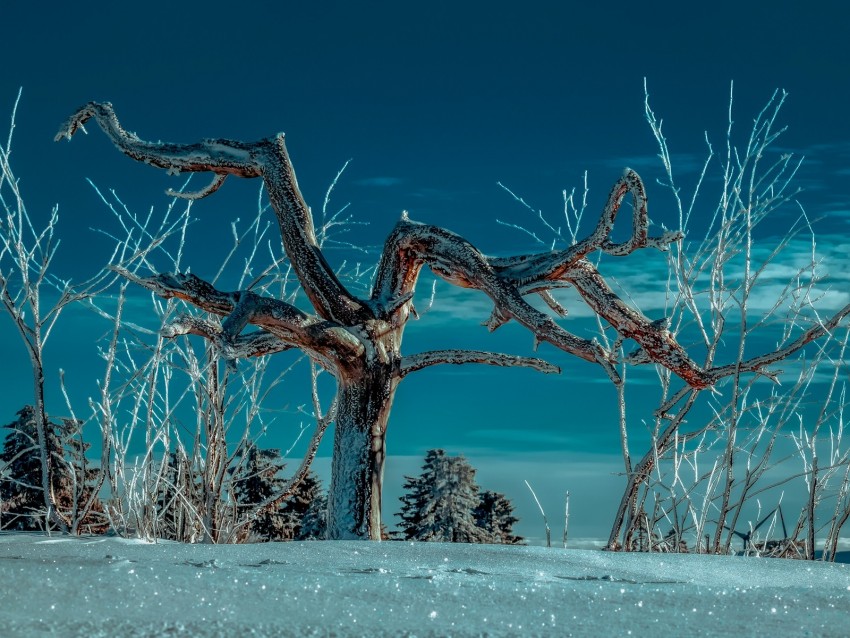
(443, 504)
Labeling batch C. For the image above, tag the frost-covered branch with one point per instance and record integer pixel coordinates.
(454, 259)
(266, 158)
(218, 156)
(244, 346)
(328, 342)
(457, 357)
(549, 266)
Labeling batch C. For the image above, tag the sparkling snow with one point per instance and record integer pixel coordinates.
(112, 587)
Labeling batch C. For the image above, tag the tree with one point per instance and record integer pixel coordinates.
(713, 457)
(175, 516)
(358, 340)
(442, 502)
(26, 257)
(72, 480)
(495, 514)
(21, 496)
(298, 516)
(305, 504)
(257, 480)
(416, 493)
(314, 523)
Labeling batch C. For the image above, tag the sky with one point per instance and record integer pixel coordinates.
(435, 104)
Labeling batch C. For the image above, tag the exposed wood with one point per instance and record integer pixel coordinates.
(458, 357)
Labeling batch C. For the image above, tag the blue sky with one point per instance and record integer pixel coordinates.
(435, 103)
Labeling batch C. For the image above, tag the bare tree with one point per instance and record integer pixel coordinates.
(193, 413)
(358, 340)
(34, 298)
(709, 459)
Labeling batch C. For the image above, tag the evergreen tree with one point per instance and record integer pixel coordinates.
(258, 479)
(74, 478)
(296, 507)
(315, 519)
(71, 477)
(416, 493)
(20, 491)
(440, 504)
(301, 516)
(494, 514)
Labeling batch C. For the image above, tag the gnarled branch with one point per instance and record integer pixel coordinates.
(253, 344)
(453, 258)
(525, 270)
(327, 342)
(457, 357)
(760, 362)
(266, 158)
(217, 156)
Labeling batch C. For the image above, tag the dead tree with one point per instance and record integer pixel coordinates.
(358, 340)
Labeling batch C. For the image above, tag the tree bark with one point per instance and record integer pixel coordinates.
(357, 473)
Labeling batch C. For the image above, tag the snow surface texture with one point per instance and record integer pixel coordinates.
(112, 587)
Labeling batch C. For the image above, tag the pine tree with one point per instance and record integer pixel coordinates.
(440, 504)
(417, 490)
(20, 491)
(74, 478)
(258, 479)
(295, 507)
(315, 519)
(494, 514)
(71, 477)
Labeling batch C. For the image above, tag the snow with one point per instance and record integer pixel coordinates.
(97, 586)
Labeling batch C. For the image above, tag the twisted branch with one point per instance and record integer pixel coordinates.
(454, 259)
(457, 357)
(328, 343)
(266, 158)
(254, 344)
(526, 270)
(410, 246)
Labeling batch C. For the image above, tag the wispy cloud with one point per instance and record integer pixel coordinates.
(380, 182)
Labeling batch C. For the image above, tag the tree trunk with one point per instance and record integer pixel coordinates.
(364, 400)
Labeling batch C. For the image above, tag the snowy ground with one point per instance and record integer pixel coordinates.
(111, 587)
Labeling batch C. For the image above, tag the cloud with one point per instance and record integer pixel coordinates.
(380, 182)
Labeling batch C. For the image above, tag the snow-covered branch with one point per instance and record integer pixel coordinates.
(456, 357)
(454, 259)
(287, 326)
(265, 158)
(218, 156)
(253, 344)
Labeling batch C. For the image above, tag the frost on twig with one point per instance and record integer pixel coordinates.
(457, 357)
